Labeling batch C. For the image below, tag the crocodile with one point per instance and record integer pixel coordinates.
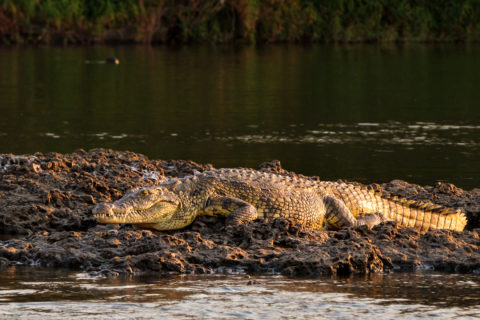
(243, 195)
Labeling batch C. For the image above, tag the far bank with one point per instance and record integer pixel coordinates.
(237, 21)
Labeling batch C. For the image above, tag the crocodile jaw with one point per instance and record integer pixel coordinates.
(111, 213)
(144, 205)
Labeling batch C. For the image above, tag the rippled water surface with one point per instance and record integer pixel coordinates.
(38, 293)
(365, 113)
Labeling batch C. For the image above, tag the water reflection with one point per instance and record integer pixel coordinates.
(34, 292)
(366, 113)
(381, 134)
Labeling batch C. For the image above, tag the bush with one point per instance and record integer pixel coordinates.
(226, 21)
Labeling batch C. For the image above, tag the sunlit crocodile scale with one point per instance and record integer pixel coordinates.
(244, 195)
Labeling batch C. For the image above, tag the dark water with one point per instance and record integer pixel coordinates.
(38, 294)
(366, 113)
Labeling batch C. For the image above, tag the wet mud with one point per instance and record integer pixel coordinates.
(46, 203)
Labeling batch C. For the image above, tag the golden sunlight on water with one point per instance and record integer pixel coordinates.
(31, 293)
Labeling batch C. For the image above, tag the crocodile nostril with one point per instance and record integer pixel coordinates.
(102, 209)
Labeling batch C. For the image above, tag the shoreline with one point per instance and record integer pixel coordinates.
(47, 199)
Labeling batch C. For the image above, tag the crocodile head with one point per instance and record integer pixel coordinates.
(141, 206)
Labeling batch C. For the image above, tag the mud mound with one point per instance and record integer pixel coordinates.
(47, 200)
(57, 192)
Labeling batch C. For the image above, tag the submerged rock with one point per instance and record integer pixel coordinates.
(47, 201)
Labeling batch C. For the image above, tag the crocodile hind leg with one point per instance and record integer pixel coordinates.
(237, 211)
(338, 215)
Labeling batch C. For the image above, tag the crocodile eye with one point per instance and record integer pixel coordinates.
(144, 192)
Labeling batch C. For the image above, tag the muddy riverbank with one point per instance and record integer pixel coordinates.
(46, 203)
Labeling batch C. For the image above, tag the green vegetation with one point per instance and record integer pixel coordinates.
(226, 21)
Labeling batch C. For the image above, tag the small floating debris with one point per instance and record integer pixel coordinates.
(52, 135)
(120, 136)
(101, 134)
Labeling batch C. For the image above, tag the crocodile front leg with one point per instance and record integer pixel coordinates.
(237, 211)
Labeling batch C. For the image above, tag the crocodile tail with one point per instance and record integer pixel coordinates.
(462, 220)
(408, 213)
(423, 215)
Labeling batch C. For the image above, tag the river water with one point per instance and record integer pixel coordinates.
(38, 294)
(364, 113)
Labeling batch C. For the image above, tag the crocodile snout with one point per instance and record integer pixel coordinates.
(103, 211)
